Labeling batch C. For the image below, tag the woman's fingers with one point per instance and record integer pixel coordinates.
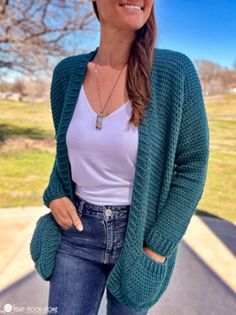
(65, 212)
(75, 218)
(154, 255)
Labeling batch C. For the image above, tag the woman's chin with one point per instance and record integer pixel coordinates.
(132, 24)
(132, 20)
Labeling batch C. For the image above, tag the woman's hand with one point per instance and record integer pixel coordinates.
(154, 255)
(65, 213)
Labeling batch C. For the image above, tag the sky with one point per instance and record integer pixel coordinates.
(202, 29)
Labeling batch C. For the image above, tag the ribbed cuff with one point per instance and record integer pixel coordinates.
(50, 195)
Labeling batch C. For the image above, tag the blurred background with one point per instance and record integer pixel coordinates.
(34, 37)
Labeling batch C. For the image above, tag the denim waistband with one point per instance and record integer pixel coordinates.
(101, 211)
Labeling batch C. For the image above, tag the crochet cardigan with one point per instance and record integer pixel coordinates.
(170, 174)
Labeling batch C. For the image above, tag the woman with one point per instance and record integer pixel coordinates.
(132, 154)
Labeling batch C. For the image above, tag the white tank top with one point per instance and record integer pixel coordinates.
(102, 161)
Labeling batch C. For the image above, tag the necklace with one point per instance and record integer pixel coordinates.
(99, 115)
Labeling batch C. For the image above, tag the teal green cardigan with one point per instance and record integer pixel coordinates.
(171, 168)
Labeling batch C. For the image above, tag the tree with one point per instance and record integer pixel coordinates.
(215, 79)
(34, 31)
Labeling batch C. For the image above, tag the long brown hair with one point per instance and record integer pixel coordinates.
(139, 66)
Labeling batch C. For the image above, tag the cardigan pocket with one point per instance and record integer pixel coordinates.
(142, 282)
(44, 243)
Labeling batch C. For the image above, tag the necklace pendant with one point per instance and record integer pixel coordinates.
(99, 121)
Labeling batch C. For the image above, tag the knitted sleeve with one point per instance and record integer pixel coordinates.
(188, 180)
(55, 187)
(57, 92)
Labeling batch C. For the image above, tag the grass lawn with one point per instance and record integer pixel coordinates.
(27, 152)
(27, 149)
(219, 197)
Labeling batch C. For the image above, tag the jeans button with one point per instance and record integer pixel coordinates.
(108, 212)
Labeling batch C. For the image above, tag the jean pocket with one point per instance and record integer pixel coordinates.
(71, 227)
(143, 279)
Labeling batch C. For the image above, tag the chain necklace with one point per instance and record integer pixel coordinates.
(99, 115)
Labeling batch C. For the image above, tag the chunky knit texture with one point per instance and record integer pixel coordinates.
(170, 173)
(44, 244)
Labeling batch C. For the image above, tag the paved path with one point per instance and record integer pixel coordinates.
(203, 283)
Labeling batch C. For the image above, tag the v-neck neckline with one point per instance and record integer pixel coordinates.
(123, 106)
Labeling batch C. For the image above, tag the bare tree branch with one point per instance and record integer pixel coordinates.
(34, 31)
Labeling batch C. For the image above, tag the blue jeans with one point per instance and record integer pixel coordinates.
(85, 259)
